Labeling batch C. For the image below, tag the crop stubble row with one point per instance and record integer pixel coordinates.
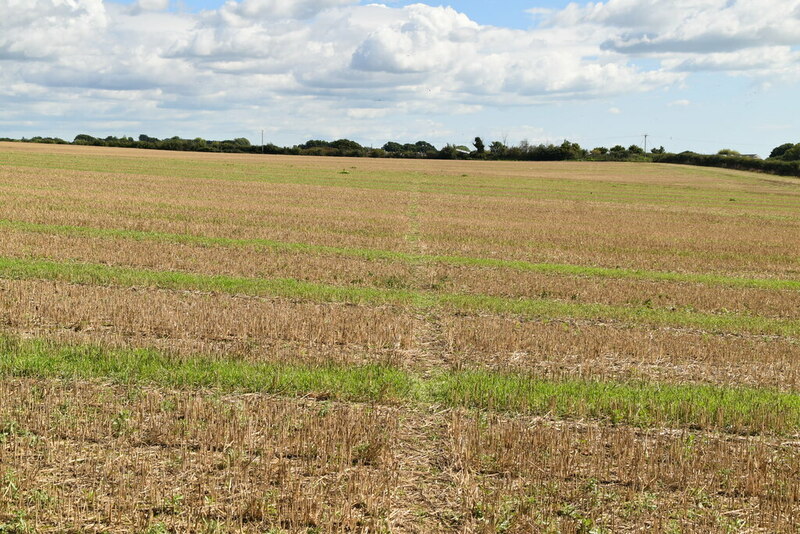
(541, 230)
(270, 330)
(437, 277)
(91, 456)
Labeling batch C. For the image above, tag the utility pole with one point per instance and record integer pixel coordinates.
(645, 142)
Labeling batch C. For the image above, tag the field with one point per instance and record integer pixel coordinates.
(231, 343)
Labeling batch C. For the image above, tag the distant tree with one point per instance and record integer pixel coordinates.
(600, 150)
(497, 149)
(635, 149)
(147, 139)
(571, 150)
(425, 147)
(48, 140)
(393, 147)
(659, 150)
(480, 148)
(779, 151)
(449, 152)
(346, 144)
(792, 154)
(314, 143)
(728, 152)
(272, 148)
(85, 139)
(173, 143)
(617, 153)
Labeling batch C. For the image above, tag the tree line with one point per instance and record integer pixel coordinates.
(784, 159)
(495, 150)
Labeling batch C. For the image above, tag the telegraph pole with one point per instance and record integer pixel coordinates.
(645, 142)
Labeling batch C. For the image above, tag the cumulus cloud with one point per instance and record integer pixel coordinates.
(246, 10)
(150, 5)
(685, 26)
(306, 59)
(424, 39)
(771, 58)
(35, 29)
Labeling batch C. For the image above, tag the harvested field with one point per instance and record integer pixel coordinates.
(226, 343)
(91, 455)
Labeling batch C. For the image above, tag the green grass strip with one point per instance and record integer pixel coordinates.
(387, 255)
(97, 274)
(740, 410)
(40, 358)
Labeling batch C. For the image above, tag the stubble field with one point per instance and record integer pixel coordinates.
(229, 343)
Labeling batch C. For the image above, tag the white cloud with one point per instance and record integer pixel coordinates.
(366, 113)
(772, 58)
(614, 110)
(682, 103)
(38, 29)
(329, 63)
(150, 5)
(276, 9)
(688, 26)
(424, 39)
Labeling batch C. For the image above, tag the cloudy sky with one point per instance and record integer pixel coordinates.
(693, 74)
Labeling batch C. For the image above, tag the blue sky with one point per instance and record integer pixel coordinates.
(700, 74)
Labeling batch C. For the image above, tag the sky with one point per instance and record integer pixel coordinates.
(698, 75)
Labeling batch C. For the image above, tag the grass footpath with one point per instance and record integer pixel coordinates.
(98, 274)
(388, 255)
(645, 404)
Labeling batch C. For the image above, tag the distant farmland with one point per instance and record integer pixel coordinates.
(242, 343)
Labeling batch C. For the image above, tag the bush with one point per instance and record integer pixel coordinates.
(772, 166)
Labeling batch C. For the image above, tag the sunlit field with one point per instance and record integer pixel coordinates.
(237, 343)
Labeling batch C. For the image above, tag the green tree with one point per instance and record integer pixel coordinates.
(779, 151)
(84, 139)
(346, 144)
(393, 147)
(635, 149)
(315, 143)
(425, 147)
(449, 152)
(498, 149)
(571, 150)
(792, 154)
(480, 148)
